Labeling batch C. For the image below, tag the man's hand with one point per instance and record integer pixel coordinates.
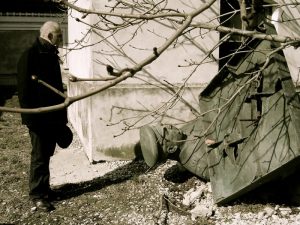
(34, 77)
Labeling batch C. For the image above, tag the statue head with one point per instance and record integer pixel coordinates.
(159, 143)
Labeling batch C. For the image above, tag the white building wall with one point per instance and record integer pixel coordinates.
(79, 58)
(286, 22)
(100, 119)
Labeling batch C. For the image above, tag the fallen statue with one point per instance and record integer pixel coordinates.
(249, 134)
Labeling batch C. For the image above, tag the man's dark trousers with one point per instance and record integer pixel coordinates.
(43, 146)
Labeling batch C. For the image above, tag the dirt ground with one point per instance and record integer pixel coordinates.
(130, 194)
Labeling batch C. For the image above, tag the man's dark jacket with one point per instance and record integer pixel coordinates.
(41, 60)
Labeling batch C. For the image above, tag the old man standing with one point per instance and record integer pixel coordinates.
(41, 62)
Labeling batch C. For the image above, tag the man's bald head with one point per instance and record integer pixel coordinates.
(51, 32)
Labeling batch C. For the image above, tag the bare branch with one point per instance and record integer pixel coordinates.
(73, 78)
(122, 15)
(35, 78)
(248, 33)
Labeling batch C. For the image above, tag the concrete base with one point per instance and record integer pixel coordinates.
(108, 123)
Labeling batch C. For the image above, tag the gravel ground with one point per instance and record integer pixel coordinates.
(130, 194)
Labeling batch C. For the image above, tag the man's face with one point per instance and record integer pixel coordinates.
(57, 38)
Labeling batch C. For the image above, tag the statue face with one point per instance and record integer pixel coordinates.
(159, 143)
(172, 139)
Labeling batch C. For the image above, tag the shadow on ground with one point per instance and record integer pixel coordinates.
(129, 171)
(277, 192)
(119, 175)
(284, 191)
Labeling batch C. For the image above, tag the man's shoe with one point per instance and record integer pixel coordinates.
(43, 205)
(53, 196)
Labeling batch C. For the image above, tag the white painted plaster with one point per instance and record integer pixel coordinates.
(134, 92)
(284, 21)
